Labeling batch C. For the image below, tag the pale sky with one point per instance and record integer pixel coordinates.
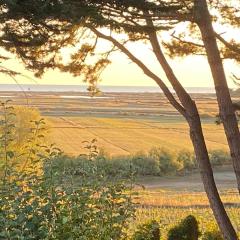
(191, 71)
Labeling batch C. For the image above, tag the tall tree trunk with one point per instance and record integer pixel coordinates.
(226, 109)
(188, 109)
(201, 153)
(192, 116)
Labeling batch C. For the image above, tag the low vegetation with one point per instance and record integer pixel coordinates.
(157, 162)
(40, 201)
(47, 195)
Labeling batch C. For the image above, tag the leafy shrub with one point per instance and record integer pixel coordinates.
(147, 231)
(187, 159)
(21, 138)
(45, 201)
(186, 230)
(120, 166)
(219, 157)
(213, 235)
(168, 163)
(145, 165)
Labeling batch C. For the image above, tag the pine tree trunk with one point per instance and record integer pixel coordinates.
(188, 109)
(201, 153)
(226, 109)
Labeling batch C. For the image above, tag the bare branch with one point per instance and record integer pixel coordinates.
(145, 69)
(186, 42)
(227, 44)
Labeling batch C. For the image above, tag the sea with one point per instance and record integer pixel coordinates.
(81, 88)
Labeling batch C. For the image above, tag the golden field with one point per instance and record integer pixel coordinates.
(122, 123)
(122, 136)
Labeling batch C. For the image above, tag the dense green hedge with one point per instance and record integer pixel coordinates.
(158, 162)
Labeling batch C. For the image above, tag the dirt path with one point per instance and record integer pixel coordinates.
(224, 178)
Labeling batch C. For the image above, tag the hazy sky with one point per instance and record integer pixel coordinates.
(191, 71)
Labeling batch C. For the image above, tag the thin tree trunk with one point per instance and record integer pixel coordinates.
(201, 153)
(188, 109)
(196, 134)
(226, 109)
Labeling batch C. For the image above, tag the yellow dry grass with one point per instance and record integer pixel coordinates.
(122, 136)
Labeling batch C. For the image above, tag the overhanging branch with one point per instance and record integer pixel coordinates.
(227, 44)
(145, 69)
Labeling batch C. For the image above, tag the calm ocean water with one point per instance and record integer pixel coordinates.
(81, 88)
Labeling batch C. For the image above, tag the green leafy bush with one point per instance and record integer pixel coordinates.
(186, 230)
(168, 163)
(120, 166)
(219, 157)
(213, 235)
(47, 201)
(187, 159)
(145, 165)
(147, 231)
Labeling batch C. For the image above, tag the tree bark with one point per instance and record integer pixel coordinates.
(196, 134)
(201, 153)
(188, 109)
(226, 109)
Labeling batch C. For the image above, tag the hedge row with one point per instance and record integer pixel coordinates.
(157, 162)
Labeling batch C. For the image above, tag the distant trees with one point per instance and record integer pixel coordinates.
(37, 32)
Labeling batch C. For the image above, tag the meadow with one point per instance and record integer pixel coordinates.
(124, 124)
(171, 199)
(170, 207)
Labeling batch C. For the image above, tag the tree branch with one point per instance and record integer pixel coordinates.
(183, 96)
(187, 42)
(145, 69)
(227, 44)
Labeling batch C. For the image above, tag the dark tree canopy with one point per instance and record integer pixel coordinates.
(38, 31)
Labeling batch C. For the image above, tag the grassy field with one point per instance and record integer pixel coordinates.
(123, 123)
(121, 136)
(128, 123)
(170, 199)
(170, 215)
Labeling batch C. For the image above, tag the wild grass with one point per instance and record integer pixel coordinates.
(170, 207)
(128, 136)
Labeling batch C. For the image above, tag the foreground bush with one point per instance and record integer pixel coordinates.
(45, 201)
(186, 230)
(147, 231)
